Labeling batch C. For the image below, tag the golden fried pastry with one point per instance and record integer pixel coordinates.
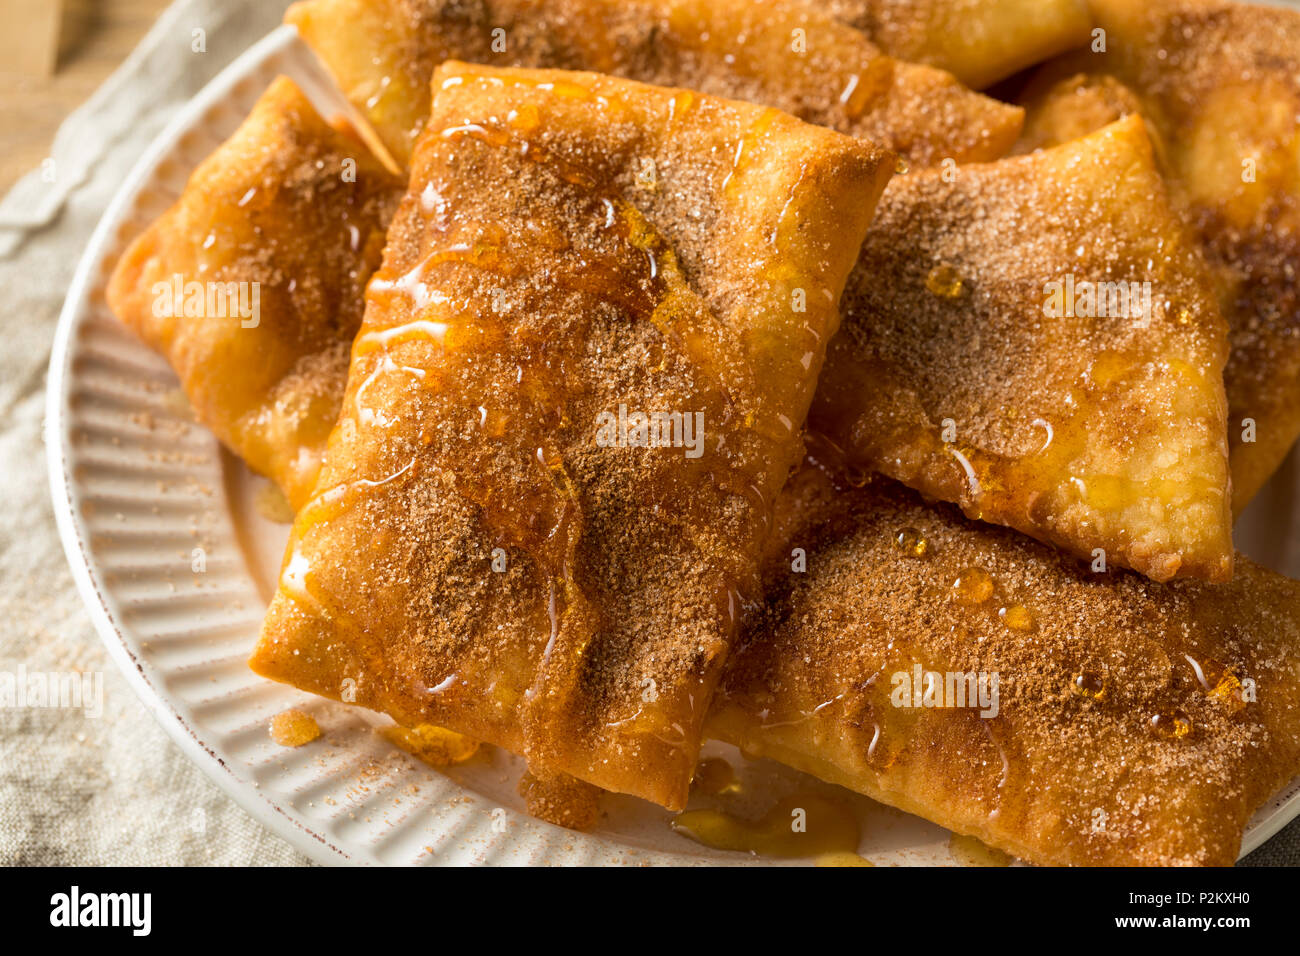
(976, 678)
(578, 386)
(977, 41)
(1071, 108)
(780, 53)
(1221, 83)
(1037, 340)
(251, 284)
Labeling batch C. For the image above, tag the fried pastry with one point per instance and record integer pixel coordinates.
(251, 284)
(983, 681)
(977, 41)
(1221, 83)
(578, 386)
(1070, 108)
(780, 53)
(1037, 340)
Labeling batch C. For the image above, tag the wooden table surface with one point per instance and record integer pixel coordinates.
(96, 37)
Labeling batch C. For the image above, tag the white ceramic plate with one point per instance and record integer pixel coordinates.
(140, 492)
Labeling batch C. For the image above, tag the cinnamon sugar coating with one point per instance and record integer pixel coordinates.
(780, 53)
(983, 359)
(1219, 82)
(290, 214)
(572, 247)
(978, 41)
(1134, 723)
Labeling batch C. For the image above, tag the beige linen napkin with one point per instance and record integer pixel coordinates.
(77, 786)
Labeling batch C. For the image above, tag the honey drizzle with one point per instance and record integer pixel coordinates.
(294, 728)
(432, 745)
(675, 310)
(829, 828)
(295, 576)
(992, 487)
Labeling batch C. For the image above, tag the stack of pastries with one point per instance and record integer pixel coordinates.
(685, 368)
